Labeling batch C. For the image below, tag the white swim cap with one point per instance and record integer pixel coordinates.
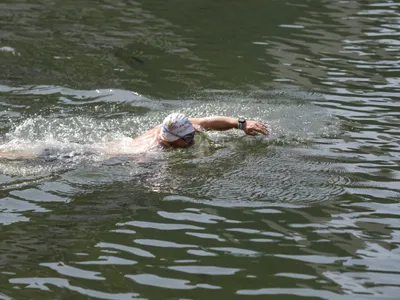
(174, 126)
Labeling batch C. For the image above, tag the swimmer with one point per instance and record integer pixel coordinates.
(178, 131)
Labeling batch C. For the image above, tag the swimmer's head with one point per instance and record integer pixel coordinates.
(177, 131)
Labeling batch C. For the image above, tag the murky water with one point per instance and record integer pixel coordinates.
(311, 211)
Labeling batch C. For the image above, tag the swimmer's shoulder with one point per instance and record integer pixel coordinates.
(147, 138)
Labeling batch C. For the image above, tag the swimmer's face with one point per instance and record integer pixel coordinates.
(183, 141)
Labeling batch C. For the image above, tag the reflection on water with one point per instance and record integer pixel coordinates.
(309, 211)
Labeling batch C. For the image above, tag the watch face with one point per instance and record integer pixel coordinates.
(242, 120)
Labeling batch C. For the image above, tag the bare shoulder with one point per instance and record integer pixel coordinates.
(136, 145)
(149, 136)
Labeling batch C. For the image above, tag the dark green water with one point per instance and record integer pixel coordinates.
(311, 212)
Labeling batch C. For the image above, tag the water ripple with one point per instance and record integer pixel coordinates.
(40, 283)
(157, 281)
(206, 270)
(128, 249)
(64, 269)
(309, 211)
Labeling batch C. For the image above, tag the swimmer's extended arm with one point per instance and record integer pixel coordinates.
(221, 123)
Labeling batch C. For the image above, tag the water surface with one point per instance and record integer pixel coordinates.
(310, 212)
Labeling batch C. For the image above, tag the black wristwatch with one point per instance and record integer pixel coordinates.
(241, 123)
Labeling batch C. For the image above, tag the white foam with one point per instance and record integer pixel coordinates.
(9, 49)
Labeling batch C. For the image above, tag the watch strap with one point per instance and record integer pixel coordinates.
(241, 123)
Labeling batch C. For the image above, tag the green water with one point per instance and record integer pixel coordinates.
(310, 212)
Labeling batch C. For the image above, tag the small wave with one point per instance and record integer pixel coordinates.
(9, 50)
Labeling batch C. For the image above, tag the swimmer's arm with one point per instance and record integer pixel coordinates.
(221, 123)
(218, 123)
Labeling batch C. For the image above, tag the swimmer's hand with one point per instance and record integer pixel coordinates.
(255, 127)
